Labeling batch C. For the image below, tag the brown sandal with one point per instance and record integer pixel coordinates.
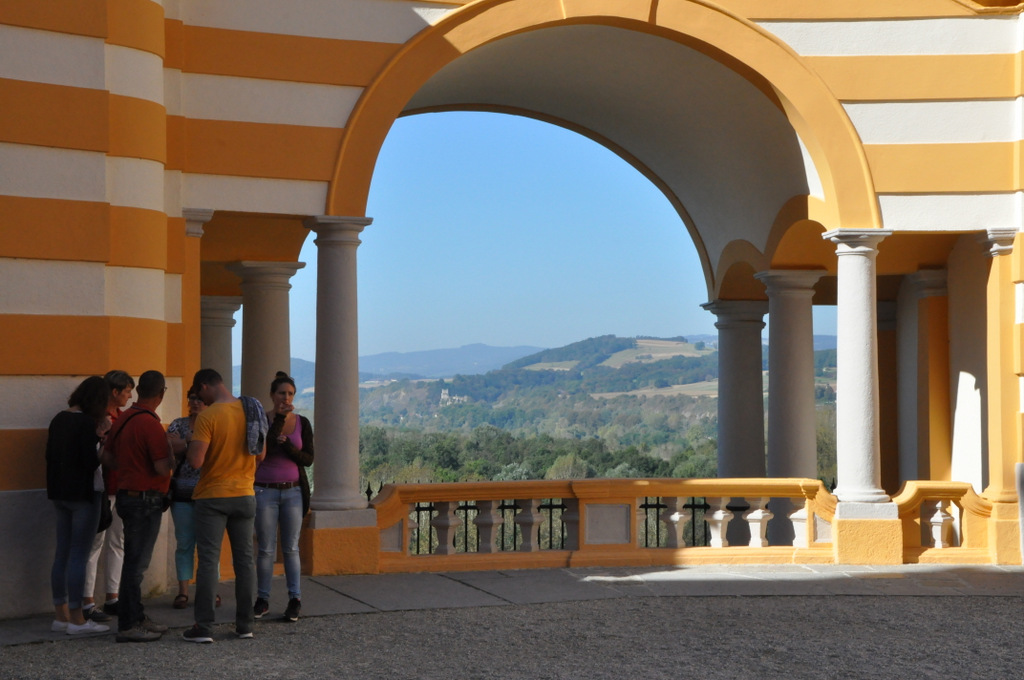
(181, 601)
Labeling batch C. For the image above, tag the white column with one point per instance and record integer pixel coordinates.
(740, 387)
(266, 323)
(792, 443)
(337, 365)
(857, 410)
(792, 437)
(217, 318)
(915, 287)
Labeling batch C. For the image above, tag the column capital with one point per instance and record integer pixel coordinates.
(856, 241)
(219, 310)
(999, 240)
(928, 283)
(730, 312)
(790, 280)
(195, 219)
(270, 274)
(336, 228)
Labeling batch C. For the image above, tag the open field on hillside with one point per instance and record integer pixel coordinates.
(648, 351)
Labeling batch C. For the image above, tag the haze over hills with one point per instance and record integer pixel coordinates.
(477, 359)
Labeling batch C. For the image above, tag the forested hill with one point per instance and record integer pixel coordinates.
(546, 391)
(606, 406)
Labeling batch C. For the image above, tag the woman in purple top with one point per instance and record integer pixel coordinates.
(282, 496)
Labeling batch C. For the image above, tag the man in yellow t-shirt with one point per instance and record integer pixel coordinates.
(223, 500)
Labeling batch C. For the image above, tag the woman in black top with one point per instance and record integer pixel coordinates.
(71, 462)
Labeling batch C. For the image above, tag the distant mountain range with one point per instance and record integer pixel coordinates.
(472, 359)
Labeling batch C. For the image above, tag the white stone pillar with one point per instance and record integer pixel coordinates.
(266, 323)
(217, 318)
(336, 471)
(857, 410)
(909, 378)
(740, 387)
(792, 437)
(792, 444)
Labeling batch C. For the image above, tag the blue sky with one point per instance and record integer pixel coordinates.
(507, 231)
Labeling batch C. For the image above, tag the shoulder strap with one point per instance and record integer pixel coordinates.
(129, 417)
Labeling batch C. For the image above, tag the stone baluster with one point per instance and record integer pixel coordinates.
(676, 516)
(718, 517)
(445, 523)
(940, 524)
(529, 519)
(571, 522)
(757, 518)
(799, 521)
(488, 523)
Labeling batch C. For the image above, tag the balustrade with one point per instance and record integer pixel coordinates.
(582, 522)
(932, 533)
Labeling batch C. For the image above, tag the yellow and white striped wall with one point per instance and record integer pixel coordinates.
(117, 117)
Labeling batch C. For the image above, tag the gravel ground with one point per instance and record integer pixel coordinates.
(663, 637)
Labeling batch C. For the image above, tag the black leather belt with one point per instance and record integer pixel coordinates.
(140, 494)
(277, 485)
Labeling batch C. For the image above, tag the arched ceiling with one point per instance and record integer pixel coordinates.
(721, 150)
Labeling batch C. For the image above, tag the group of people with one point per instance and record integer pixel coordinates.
(227, 466)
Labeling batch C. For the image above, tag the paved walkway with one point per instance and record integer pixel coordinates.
(777, 621)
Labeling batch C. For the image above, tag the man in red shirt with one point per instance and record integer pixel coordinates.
(137, 445)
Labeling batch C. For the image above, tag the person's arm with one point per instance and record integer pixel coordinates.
(107, 457)
(303, 456)
(197, 453)
(164, 467)
(161, 453)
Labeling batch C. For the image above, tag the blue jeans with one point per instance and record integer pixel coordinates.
(141, 519)
(76, 529)
(212, 517)
(278, 508)
(185, 539)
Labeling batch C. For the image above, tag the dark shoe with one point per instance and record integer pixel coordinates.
(96, 614)
(137, 634)
(195, 634)
(180, 601)
(110, 607)
(260, 608)
(152, 626)
(291, 613)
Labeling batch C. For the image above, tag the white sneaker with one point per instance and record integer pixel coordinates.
(59, 626)
(87, 628)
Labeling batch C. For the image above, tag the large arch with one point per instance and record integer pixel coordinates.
(452, 65)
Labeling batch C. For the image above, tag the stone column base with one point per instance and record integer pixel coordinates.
(340, 542)
(867, 533)
(1004, 534)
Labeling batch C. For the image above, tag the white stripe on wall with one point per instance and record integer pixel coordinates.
(135, 183)
(44, 172)
(29, 402)
(49, 57)
(266, 101)
(967, 35)
(369, 20)
(135, 73)
(172, 298)
(247, 194)
(944, 122)
(950, 212)
(135, 292)
(51, 287)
